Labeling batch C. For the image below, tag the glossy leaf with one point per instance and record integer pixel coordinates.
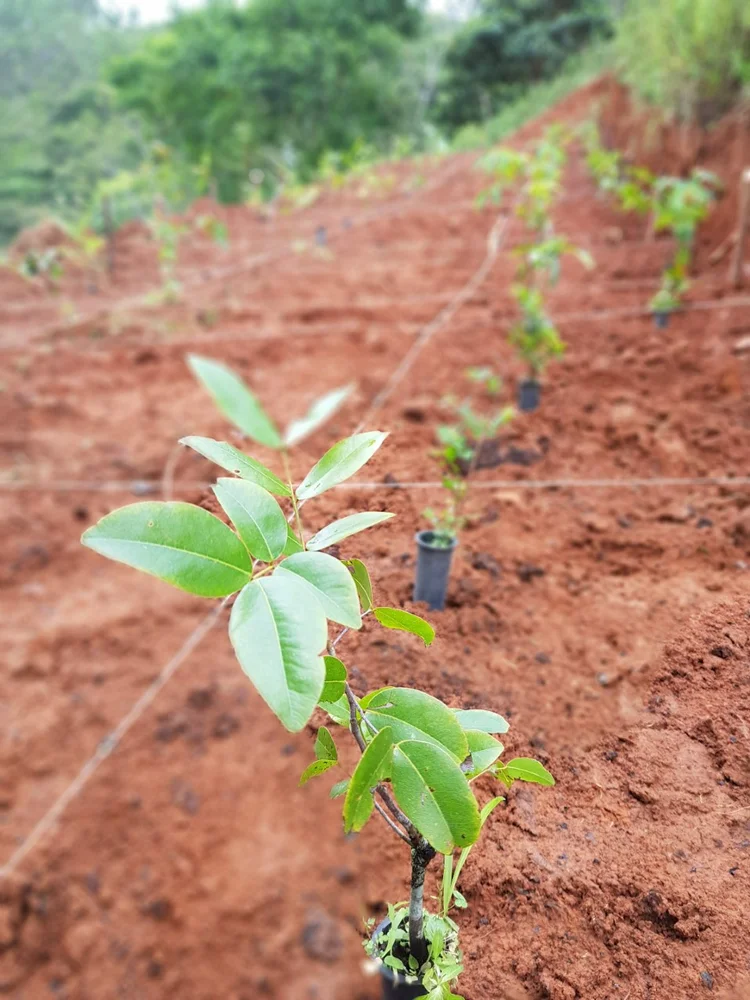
(484, 750)
(233, 460)
(293, 544)
(528, 769)
(415, 715)
(315, 769)
(362, 582)
(339, 463)
(337, 531)
(372, 766)
(235, 400)
(329, 582)
(177, 542)
(340, 788)
(479, 718)
(325, 748)
(278, 636)
(333, 689)
(259, 520)
(320, 411)
(433, 792)
(405, 621)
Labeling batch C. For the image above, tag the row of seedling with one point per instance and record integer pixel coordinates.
(537, 176)
(674, 205)
(292, 602)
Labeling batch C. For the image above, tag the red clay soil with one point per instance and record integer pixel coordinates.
(610, 624)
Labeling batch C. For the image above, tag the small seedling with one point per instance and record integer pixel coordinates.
(46, 264)
(459, 455)
(419, 757)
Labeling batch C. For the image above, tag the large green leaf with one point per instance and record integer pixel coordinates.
(320, 411)
(372, 767)
(339, 463)
(278, 634)
(259, 520)
(362, 582)
(337, 531)
(434, 793)
(484, 750)
(235, 400)
(335, 683)
(182, 544)
(405, 621)
(528, 769)
(236, 461)
(415, 715)
(479, 718)
(329, 581)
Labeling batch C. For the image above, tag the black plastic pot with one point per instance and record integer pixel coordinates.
(433, 570)
(321, 236)
(395, 986)
(529, 394)
(661, 319)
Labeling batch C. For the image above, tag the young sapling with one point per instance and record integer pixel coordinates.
(459, 454)
(418, 757)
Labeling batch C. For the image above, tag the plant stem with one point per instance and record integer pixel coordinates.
(295, 505)
(421, 856)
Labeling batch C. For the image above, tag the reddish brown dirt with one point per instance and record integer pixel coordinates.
(191, 865)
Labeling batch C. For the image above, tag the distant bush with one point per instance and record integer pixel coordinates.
(690, 57)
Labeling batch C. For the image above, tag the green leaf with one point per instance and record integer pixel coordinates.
(325, 748)
(333, 689)
(320, 411)
(433, 792)
(329, 581)
(259, 520)
(344, 527)
(415, 715)
(315, 769)
(405, 621)
(177, 542)
(338, 710)
(233, 460)
(339, 463)
(490, 808)
(484, 750)
(293, 544)
(235, 401)
(528, 769)
(278, 634)
(339, 788)
(371, 768)
(478, 718)
(362, 582)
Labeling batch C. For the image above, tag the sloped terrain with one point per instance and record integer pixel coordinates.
(191, 865)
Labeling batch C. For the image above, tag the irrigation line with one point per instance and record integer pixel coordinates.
(112, 741)
(147, 487)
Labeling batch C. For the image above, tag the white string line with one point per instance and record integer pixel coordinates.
(146, 487)
(113, 739)
(110, 742)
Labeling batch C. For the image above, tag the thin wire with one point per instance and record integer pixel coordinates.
(146, 487)
(112, 741)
